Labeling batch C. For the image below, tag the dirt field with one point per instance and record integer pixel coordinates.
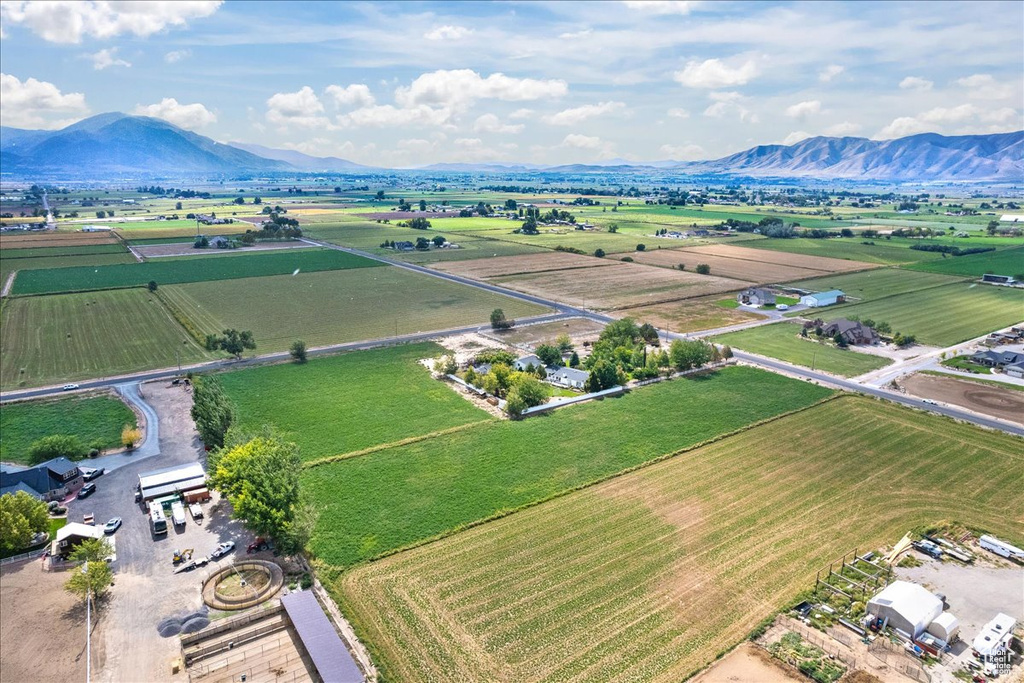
(748, 664)
(42, 623)
(981, 398)
(578, 329)
(619, 285)
(740, 269)
(56, 239)
(515, 265)
(689, 315)
(831, 265)
(185, 249)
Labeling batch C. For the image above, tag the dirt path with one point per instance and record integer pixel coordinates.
(8, 284)
(1007, 404)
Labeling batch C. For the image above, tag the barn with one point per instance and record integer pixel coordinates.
(833, 296)
(906, 606)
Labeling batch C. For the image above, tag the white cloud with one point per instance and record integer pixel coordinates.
(916, 83)
(795, 137)
(661, 6)
(106, 58)
(984, 86)
(843, 129)
(830, 72)
(469, 142)
(387, 116)
(489, 123)
(36, 104)
(460, 87)
(956, 114)
(968, 117)
(725, 103)
(521, 114)
(355, 95)
(70, 21)
(571, 117)
(175, 56)
(301, 108)
(188, 116)
(448, 33)
(714, 73)
(678, 113)
(683, 152)
(578, 34)
(901, 127)
(582, 141)
(802, 110)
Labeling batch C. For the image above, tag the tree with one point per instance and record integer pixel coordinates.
(641, 247)
(549, 355)
(91, 550)
(650, 334)
(21, 518)
(703, 269)
(574, 360)
(883, 327)
(298, 351)
(726, 351)
(212, 411)
(152, 285)
(422, 244)
(446, 365)
(613, 227)
(130, 436)
(599, 252)
(686, 355)
(177, 206)
(529, 388)
(515, 404)
(239, 200)
(259, 475)
(234, 342)
(423, 205)
(564, 343)
(604, 375)
(499, 321)
(992, 227)
(91, 580)
(57, 446)
(438, 240)
(257, 200)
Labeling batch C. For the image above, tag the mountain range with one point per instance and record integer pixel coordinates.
(118, 144)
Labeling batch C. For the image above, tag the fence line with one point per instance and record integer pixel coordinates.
(30, 555)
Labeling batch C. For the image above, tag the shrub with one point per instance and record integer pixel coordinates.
(703, 269)
(57, 446)
(130, 436)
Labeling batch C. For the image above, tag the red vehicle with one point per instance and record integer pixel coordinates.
(259, 544)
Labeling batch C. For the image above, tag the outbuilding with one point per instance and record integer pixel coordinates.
(172, 481)
(71, 535)
(945, 627)
(906, 607)
(833, 296)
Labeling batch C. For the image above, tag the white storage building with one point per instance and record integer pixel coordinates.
(945, 627)
(833, 296)
(906, 606)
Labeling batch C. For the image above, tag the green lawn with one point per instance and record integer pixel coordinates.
(389, 499)
(946, 315)
(352, 401)
(212, 267)
(67, 337)
(96, 420)
(783, 341)
(873, 284)
(337, 306)
(886, 252)
(1002, 262)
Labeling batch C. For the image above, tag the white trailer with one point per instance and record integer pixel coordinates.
(178, 513)
(1001, 548)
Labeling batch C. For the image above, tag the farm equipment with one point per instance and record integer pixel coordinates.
(182, 556)
(191, 564)
(259, 544)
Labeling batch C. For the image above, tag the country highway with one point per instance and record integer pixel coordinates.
(563, 311)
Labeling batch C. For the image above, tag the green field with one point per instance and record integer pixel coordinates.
(9, 265)
(1002, 262)
(782, 341)
(339, 306)
(651, 575)
(83, 250)
(212, 267)
(874, 284)
(886, 252)
(380, 502)
(66, 337)
(96, 420)
(345, 403)
(942, 316)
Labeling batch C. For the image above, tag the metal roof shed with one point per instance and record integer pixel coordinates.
(906, 606)
(331, 658)
(169, 480)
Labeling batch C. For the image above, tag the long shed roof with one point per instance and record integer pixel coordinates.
(331, 658)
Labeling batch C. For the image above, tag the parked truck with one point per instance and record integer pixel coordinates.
(178, 513)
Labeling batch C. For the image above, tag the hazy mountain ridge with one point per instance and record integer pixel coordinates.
(300, 160)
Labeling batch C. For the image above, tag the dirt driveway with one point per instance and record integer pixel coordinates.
(986, 399)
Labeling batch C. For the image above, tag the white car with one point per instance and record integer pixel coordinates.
(223, 549)
(70, 387)
(929, 401)
(782, 307)
(112, 526)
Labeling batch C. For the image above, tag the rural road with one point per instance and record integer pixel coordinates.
(564, 311)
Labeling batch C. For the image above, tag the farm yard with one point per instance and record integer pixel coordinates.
(67, 337)
(333, 307)
(690, 315)
(783, 341)
(337, 405)
(988, 398)
(649, 575)
(96, 420)
(391, 498)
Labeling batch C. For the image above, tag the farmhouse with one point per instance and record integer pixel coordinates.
(998, 279)
(997, 359)
(71, 535)
(995, 636)
(404, 246)
(906, 607)
(568, 377)
(852, 331)
(52, 480)
(188, 480)
(1014, 370)
(833, 296)
(220, 242)
(527, 361)
(756, 296)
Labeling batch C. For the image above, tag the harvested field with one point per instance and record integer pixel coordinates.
(739, 269)
(987, 399)
(576, 328)
(647, 576)
(689, 315)
(749, 664)
(619, 285)
(186, 249)
(481, 269)
(56, 239)
(829, 265)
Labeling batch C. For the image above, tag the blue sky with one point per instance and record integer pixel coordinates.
(400, 84)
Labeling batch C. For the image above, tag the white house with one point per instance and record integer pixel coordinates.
(906, 606)
(526, 361)
(833, 296)
(568, 377)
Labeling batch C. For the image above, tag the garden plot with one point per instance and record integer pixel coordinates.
(819, 263)
(619, 285)
(481, 269)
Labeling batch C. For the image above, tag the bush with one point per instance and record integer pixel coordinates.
(703, 269)
(306, 581)
(641, 247)
(599, 252)
(57, 446)
(130, 436)
(298, 351)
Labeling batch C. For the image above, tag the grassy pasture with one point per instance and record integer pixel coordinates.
(207, 268)
(84, 250)
(648, 576)
(9, 265)
(782, 341)
(332, 307)
(945, 315)
(884, 252)
(66, 337)
(389, 499)
(93, 419)
(1002, 262)
(873, 284)
(336, 404)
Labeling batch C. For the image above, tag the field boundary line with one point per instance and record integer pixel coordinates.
(564, 492)
(392, 444)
